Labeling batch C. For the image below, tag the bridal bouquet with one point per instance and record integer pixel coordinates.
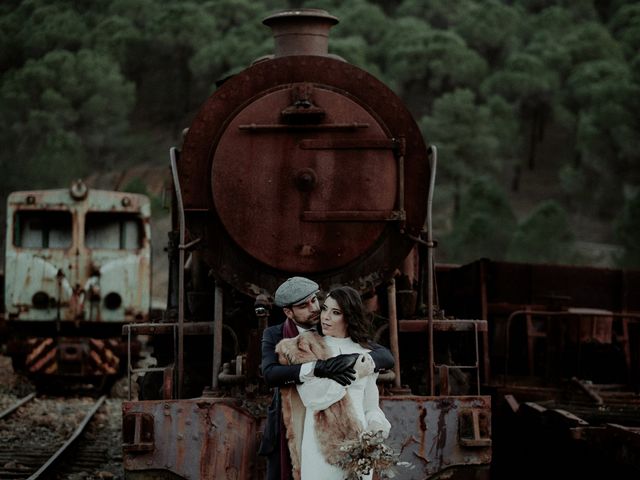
(368, 453)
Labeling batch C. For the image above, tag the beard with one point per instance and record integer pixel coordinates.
(307, 320)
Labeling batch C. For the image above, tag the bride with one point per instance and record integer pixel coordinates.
(321, 415)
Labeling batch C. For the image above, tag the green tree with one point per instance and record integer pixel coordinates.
(463, 132)
(239, 39)
(362, 18)
(545, 236)
(488, 78)
(484, 225)
(606, 100)
(438, 13)
(33, 28)
(625, 27)
(120, 37)
(627, 228)
(358, 36)
(579, 11)
(157, 41)
(546, 47)
(11, 53)
(138, 185)
(52, 27)
(61, 114)
(491, 28)
(528, 85)
(591, 41)
(425, 63)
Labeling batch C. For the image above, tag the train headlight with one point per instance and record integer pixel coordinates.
(78, 190)
(112, 301)
(40, 300)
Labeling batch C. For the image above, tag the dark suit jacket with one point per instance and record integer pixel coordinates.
(276, 375)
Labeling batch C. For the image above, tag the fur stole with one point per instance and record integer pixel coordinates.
(333, 425)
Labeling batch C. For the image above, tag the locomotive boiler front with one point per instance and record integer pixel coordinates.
(303, 164)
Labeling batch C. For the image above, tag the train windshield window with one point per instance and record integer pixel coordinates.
(42, 229)
(113, 231)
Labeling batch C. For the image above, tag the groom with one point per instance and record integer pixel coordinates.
(299, 301)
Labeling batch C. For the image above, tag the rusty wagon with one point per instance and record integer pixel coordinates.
(77, 267)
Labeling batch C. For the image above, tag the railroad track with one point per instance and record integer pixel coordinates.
(47, 438)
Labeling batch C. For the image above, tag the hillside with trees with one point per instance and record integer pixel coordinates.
(533, 103)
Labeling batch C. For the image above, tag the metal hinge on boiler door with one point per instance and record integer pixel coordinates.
(354, 216)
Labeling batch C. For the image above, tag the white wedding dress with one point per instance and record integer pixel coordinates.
(319, 393)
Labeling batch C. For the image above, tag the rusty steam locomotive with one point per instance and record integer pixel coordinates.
(301, 164)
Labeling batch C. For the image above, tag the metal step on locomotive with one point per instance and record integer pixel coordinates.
(77, 267)
(301, 164)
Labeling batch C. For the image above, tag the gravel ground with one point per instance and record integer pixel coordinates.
(106, 431)
(51, 420)
(12, 385)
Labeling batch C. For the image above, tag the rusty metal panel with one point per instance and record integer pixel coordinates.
(54, 272)
(216, 438)
(69, 356)
(421, 325)
(460, 290)
(556, 285)
(509, 286)
(352, 168)
(292, 179)
(202, 438)
(436, 433)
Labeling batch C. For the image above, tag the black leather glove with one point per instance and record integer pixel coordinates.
(338, 368)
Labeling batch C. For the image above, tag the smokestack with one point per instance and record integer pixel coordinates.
(304, 31)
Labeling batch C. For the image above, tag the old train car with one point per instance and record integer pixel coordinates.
(301, 164)
(77, 267)
(563, 363)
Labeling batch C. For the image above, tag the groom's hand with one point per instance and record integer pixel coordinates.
(338, 368)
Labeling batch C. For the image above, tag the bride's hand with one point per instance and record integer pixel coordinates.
(375, 426)
(364, 365)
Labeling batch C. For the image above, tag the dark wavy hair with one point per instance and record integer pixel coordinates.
(355, 316)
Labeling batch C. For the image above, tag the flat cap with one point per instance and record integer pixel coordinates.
(294, 290)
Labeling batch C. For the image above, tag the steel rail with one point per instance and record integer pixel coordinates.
(17, 405)
(70, 441)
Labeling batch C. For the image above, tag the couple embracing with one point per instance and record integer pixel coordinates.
(324, 368)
